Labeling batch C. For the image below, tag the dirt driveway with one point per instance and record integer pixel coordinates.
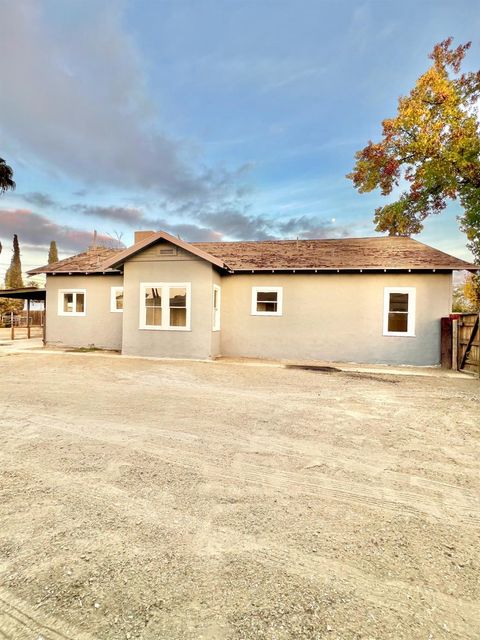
(169, 501)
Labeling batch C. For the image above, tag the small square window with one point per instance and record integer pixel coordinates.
(267, 301)
(72, 302)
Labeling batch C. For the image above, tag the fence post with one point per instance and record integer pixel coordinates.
(455, 344)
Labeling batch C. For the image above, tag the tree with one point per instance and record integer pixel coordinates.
(471, 292)
(6, 177)
(13, 277)
(52, 253)
(432, 145)
(460, 304)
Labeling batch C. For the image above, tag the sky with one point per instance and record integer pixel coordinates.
(212, 120)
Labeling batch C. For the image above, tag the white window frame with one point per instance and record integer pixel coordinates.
(165, 286)
(61, 295)
(113, 299)
(412, 294)
(216, 311)
(277, 290)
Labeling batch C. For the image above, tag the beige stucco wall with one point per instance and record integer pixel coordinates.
(99, 327)
(151, 266)
(336, 317)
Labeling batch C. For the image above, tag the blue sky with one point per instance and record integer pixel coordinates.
(213, 120)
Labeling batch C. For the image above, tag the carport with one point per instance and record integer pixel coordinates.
(28, 294)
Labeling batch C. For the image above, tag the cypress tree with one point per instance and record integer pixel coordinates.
(52, 253)
(13, 277)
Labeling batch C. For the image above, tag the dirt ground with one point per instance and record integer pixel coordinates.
(163, 500)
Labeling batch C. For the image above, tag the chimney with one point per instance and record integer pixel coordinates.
(141, 235)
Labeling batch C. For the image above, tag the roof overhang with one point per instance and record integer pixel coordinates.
(25, 293)
(440, 269)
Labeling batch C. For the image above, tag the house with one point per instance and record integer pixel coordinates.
(370, 300)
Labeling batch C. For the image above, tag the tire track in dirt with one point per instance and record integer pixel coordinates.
(444, 502)
(19, 621)
(218, 543)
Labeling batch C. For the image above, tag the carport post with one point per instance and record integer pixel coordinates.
(28, 318)
(12, 330)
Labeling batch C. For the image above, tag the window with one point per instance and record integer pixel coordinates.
(399, 311)
(116, 299)
(267, 301)
(72, 302)
(217, 297)
(165, 306)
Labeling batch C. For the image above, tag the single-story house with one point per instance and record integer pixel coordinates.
(370, 300)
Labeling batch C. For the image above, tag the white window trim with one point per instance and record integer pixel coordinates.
(411, 291)
(62, 292)
(113, 299)
(216, 312)
(165, 286)
(277, 290)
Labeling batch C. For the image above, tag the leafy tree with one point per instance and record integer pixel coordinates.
(52, 253)
(6, 177)
(432, 145)
(7, 305)
(13, 277)
(460, 303)
(471, 292)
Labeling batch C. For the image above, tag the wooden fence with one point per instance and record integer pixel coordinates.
(461, 342)
(468, 346)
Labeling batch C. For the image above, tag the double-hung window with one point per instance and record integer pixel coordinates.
(217, 297)
(116, 299)
(267, 301)
(72, 302)
(165, 306)
(399, 311)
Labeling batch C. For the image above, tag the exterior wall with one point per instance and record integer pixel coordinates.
(99, 327)
(151, 266)
(335, 317)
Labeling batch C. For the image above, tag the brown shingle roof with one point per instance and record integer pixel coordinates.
(90, 261)
(344, 254)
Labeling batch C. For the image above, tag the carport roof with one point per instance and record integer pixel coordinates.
(25, 293)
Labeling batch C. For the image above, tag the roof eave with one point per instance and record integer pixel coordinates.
(434, 268)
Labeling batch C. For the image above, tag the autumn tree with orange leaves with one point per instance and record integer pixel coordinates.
(432, 146)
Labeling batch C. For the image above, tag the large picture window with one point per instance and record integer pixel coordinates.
(267, 301)
(165, 306)
(399, 311)
(72, 302)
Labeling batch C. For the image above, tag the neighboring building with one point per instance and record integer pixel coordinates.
(370, 300)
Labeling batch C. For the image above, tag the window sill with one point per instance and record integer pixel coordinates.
(148, 328)
(266, 313)
(72, 315)
(398, 334)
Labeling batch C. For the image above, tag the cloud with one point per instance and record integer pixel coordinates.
(38, 231)
(239, 226)
(219, 223)
(78, 101)
(39, 199)
(128, 215)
